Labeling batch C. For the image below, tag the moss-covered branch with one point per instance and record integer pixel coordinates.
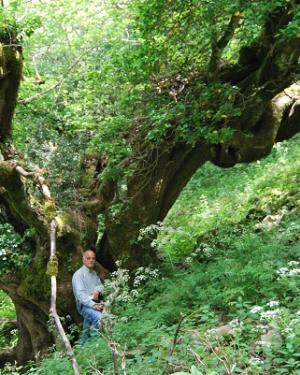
(10, 77)
(14, 192)
(219, 45)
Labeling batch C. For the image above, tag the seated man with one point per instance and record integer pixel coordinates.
(87, 289)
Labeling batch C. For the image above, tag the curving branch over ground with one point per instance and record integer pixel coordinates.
(263, 71)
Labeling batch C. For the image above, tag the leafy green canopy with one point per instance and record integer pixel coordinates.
(120, 75)
(13, 30)
(164, 66)
(177, 36)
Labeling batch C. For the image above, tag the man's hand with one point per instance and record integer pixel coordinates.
(98, 307)
(95, 295)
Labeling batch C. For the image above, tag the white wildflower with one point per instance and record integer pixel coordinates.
(269, 315)
(256, 309)
(293, 263)
(294, 272)
(261, 328)
(154, 273)
(283, 270)
(294, 322)
(256, 361)
(264, 343)
(138, 280)
(211, 332)
(123, 297)
(235, 323)
(273, 304)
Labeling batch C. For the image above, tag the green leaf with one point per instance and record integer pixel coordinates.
(195, 371)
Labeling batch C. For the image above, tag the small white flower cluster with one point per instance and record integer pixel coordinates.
(169, 235)
(150, 230)
(143, 274)
(188, 261)
(293, 325)
(118, 286)
(235, 323)
(138, 280)
(211, 332)
(289, 271)
(293, 263)
(203, 251)
(273, 304)
(3, 254)
(114, 211)
(256, 309)
(272, 313)
(261, 328)
(255, 361)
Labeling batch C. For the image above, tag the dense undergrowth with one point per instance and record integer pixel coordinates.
(226, 300)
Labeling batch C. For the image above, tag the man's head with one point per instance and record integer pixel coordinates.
(89, 258)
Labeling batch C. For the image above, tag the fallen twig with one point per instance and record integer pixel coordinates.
(174, 342)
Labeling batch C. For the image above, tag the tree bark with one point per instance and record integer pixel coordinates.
(11, 72)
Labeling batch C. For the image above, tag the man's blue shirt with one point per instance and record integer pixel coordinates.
(84, 281)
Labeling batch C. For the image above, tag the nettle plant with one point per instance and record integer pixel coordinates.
(14, 253)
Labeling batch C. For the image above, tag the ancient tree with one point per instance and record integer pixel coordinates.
(202, 128)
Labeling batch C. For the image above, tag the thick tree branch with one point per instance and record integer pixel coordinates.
(218, 46)
(17, 198)
(256, 61)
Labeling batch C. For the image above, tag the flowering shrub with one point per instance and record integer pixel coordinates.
(291, 270)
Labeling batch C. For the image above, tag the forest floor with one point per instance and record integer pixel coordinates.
(226, 297)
